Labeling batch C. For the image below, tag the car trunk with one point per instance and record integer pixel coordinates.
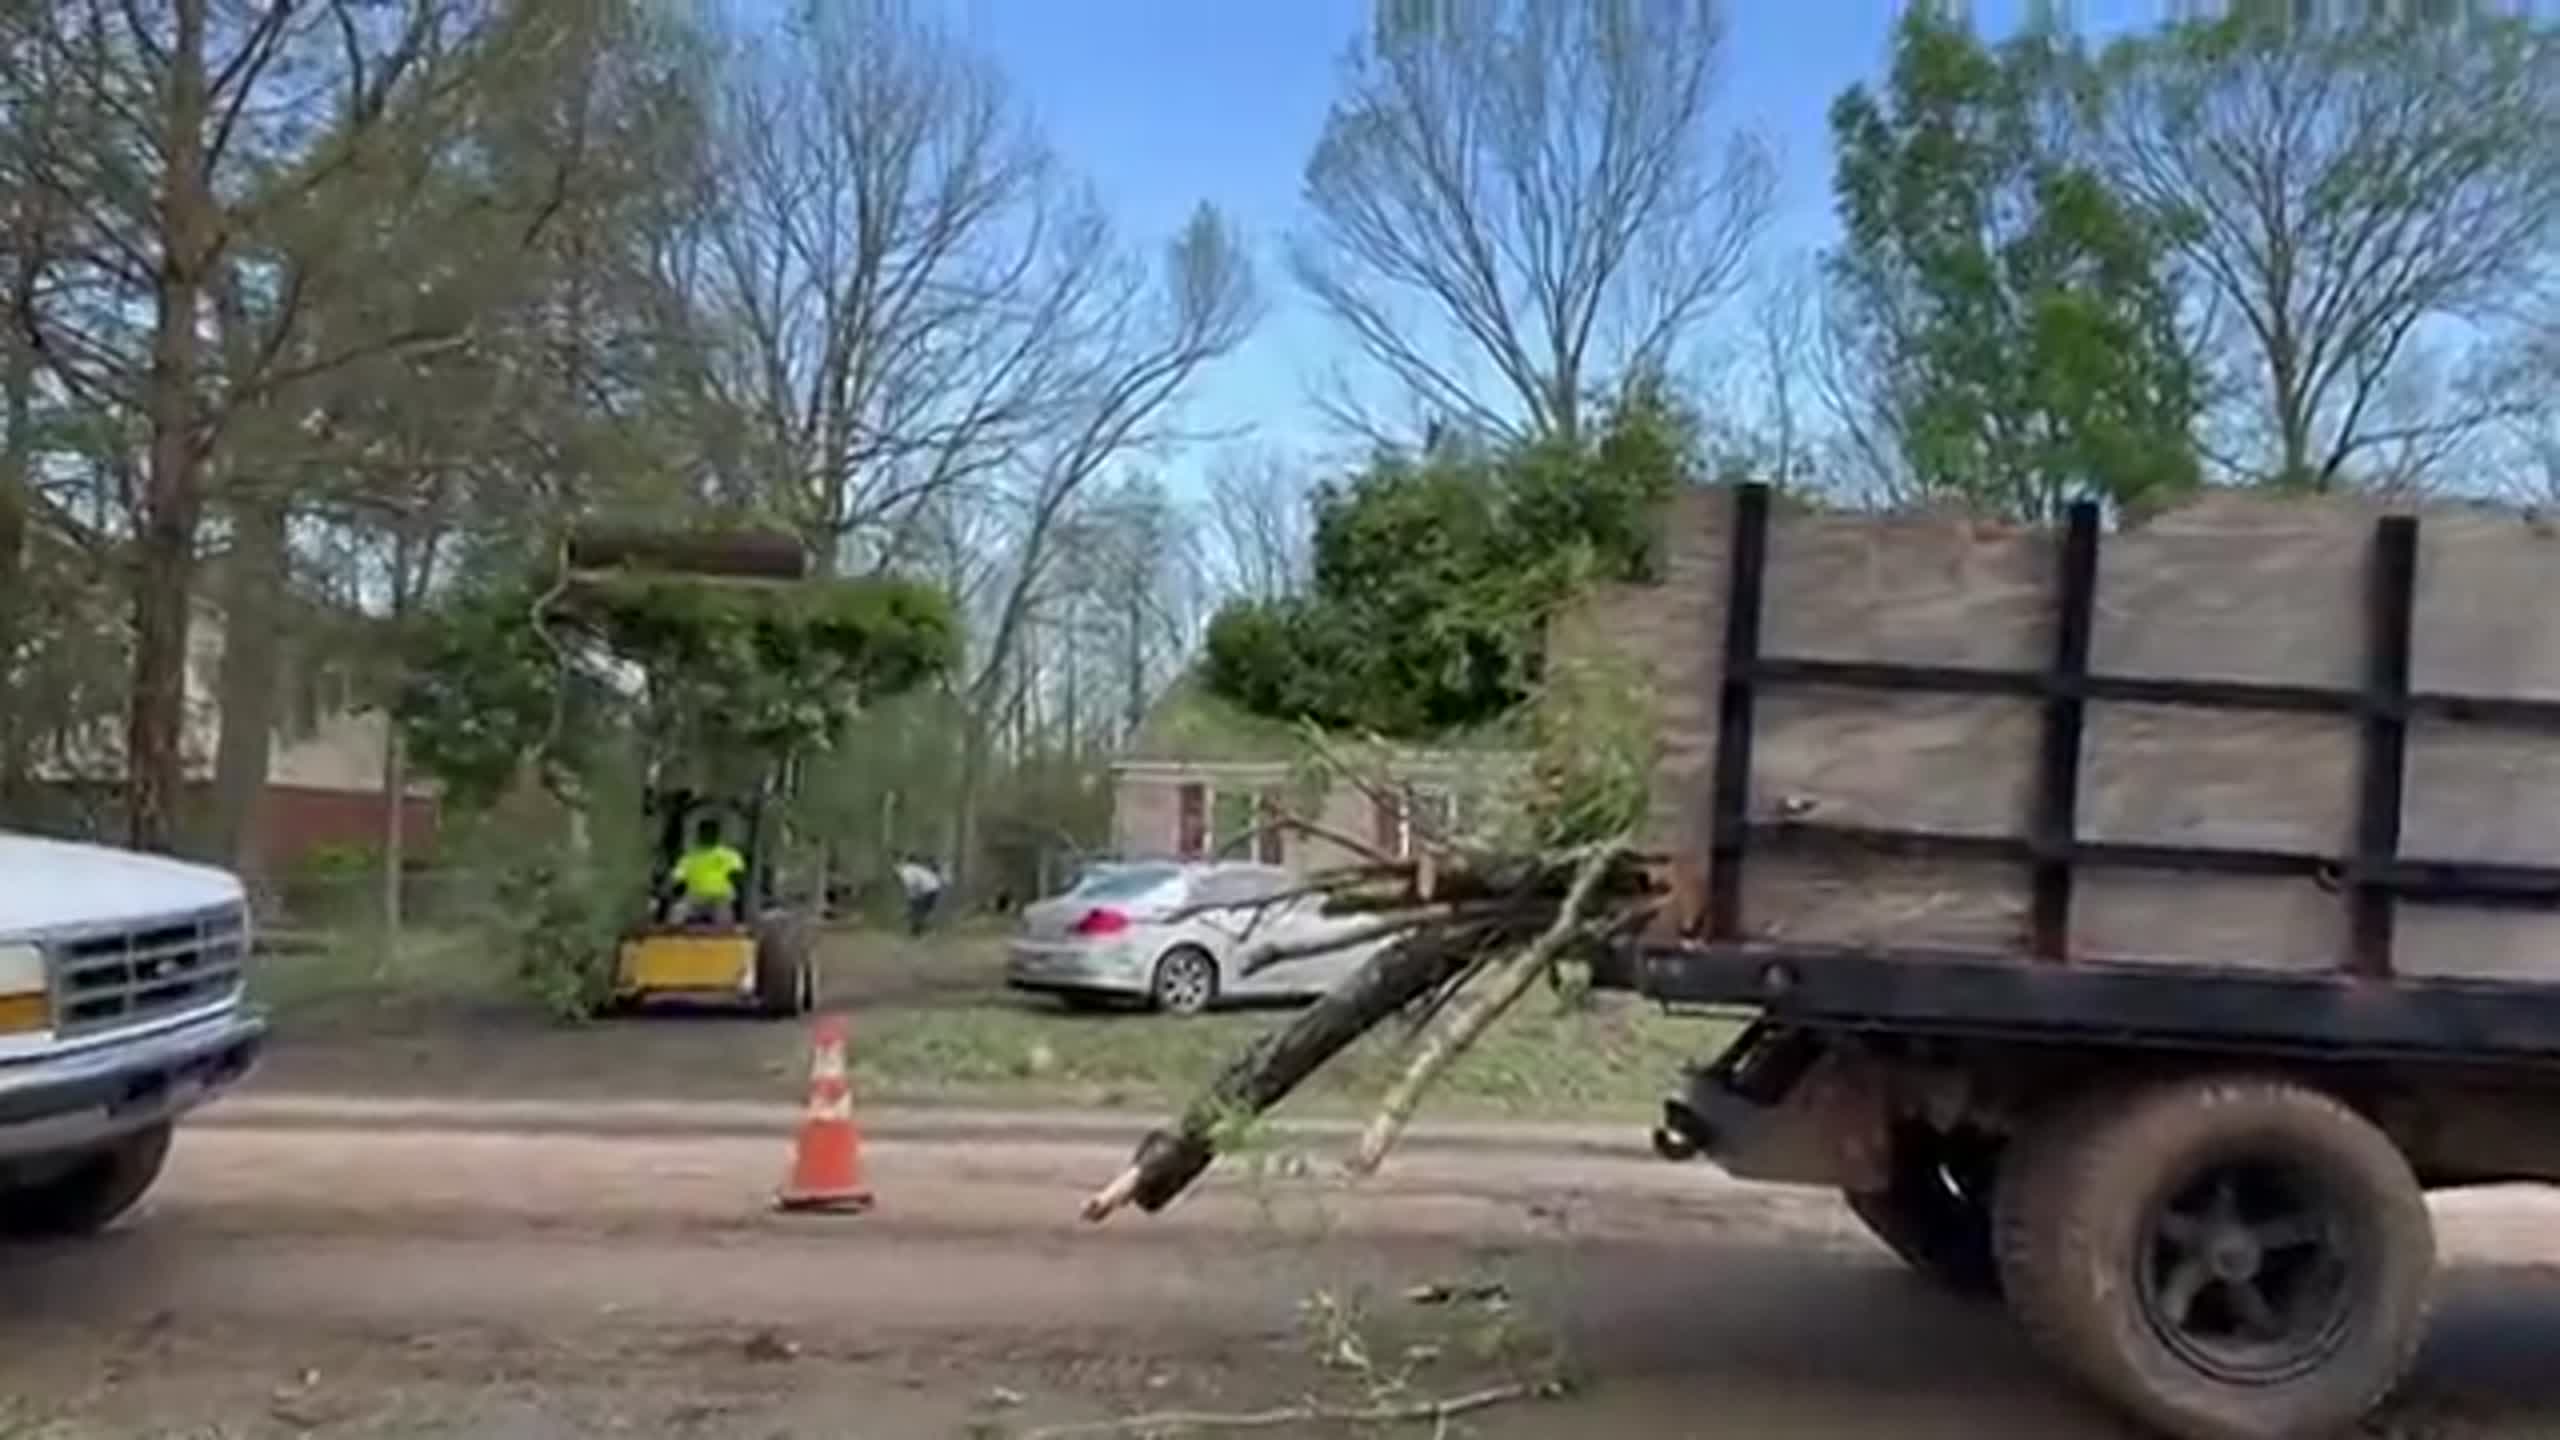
(1133, 894)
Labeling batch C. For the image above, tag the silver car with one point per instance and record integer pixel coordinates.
(1137, 931)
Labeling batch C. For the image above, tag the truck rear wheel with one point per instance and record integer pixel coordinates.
(87, 1197)
(2226, 1258)
(1934, 1213)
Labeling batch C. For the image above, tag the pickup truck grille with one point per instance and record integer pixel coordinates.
(162, 966)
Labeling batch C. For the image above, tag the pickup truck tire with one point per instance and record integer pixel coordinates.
(1935, 1211)
(90, 1195)
(786, 970)
(2229, 1258)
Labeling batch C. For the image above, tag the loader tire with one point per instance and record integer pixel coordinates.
(786, 968)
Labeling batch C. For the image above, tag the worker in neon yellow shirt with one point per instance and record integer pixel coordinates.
(706, 876)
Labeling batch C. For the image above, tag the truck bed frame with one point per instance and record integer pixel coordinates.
(2039, 991)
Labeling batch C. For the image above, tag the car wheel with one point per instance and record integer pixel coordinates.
(2227, 1258)
(90, 1195)
(1186, 981)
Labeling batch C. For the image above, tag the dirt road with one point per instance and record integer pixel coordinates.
(359, 1273)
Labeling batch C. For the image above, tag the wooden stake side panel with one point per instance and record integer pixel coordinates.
(2306, 763)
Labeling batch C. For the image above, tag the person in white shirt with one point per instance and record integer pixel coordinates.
(923, 885)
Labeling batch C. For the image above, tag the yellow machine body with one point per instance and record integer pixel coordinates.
(686, 962)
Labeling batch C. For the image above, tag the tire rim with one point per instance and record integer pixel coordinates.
(2247, 1271)
(1186, 984)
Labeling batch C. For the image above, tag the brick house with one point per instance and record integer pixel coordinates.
(1202, 778)
(324, 765)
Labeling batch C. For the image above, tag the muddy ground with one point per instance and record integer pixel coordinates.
(505, 1273)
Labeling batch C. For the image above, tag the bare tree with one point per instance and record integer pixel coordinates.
(1865, 450)
(1517, 202)
(1765, 424)
(1262, 533)
(1129, 345)
(896, 249)
(2352, 194)
(2522, 457)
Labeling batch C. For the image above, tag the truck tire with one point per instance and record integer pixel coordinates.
(1934, 1213)
(786, 970)
(89, 1196)
(2226, 1258)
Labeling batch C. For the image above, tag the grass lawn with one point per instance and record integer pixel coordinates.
(931, 1022)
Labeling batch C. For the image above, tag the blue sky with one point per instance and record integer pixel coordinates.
(1163, 103)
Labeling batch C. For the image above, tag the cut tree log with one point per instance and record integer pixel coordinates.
(708, 554)
(1509, 901)
(1489, 994)
(1168, 1161)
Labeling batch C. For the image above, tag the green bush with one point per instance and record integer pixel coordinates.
(1433, 578)
(561, 927)
(332, 880)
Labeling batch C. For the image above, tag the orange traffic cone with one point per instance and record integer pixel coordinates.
(826, 1168)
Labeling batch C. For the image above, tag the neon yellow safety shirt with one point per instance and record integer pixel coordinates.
(710, 872)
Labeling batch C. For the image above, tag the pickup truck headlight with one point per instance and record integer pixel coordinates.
(25, 1004)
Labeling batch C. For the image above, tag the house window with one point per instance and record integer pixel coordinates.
(1434, 815)
(1416, 813)
(1231, 822)
(1192, 828)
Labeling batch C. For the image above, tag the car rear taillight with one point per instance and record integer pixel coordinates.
(1102, 922)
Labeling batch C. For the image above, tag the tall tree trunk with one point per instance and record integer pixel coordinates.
(252, 643)
(164, 553)
(17, 445)
(395, 812)
(962, 836)
(1136, 714)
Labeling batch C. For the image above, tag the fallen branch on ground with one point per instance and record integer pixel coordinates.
(1414, 1412)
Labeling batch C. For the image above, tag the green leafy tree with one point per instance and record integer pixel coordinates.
(1433, 576)
(2017, 314)
(748, 674)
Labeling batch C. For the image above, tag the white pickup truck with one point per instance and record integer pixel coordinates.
(120, 1010)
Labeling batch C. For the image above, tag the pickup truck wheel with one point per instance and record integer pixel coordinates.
(2225, 1258)
(1934, 1213)
(90, 1195)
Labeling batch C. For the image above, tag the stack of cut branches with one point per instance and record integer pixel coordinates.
(1468, 936)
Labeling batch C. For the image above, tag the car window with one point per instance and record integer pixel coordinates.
(1124, 882)
(1237, 886)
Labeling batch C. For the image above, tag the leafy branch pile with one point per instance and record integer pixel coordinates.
(1469, 937)
(1470, 924)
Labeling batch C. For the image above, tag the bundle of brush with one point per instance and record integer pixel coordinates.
(1468, 936)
